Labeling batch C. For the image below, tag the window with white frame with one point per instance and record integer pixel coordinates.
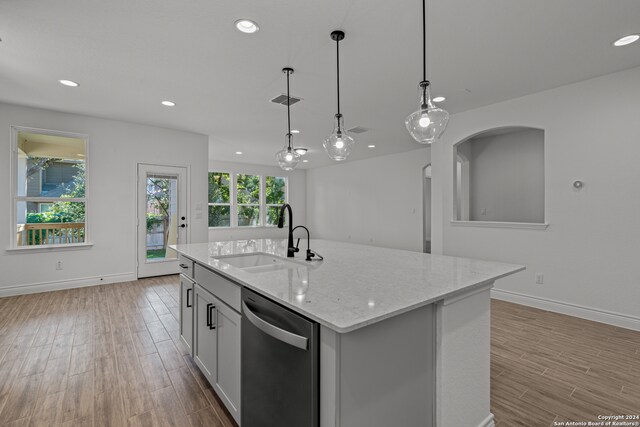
(276, 195)
(49, 197)
(245, 200)
(219, 199)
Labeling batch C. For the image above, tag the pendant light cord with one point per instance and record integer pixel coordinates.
(424, 40)
(338, 71)
(288, 111)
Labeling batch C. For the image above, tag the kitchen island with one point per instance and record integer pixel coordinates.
(404, 336)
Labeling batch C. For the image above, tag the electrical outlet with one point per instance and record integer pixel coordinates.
(539, 278)
(59, 265)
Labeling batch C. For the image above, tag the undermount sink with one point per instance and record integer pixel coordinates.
(260, 263)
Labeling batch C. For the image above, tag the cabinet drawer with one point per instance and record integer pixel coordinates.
(224, 289)
(186, 266)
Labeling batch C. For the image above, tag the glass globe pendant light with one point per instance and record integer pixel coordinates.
(429, 122)
(287, 157)
(338, 145)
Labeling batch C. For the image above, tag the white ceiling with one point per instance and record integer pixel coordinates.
(129, 55)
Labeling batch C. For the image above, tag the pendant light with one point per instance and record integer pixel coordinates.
(338, 145)
(287, 157)
(429, 122)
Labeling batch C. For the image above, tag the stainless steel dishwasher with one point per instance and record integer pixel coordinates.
(280, 365)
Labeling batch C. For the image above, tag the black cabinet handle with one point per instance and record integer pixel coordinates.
(185, 266)
(188, 293)
(210, 313)
(183, 225)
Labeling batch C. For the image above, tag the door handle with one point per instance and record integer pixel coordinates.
(210, 324)
(188, 293)
(274, 331)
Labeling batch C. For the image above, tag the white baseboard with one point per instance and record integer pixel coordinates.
(66, 284)
(589, 313)
(487, 422)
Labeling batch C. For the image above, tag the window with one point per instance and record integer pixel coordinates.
(219, 199)
(49, 198)
(276, 195)
(245, 200)
(248, 200)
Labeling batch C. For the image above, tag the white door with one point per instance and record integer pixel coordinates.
(162, 218)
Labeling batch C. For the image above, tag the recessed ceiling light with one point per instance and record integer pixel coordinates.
(246, 26)
(371, 146)
(295, 131)
(305, 161)
(70, 83)
(623, 41)
(439, 99)
(238, 152)
(301, 150)
(168, 103)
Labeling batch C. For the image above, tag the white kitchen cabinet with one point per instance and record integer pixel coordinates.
(227, 381)
(205, 345)
(216, 347)
(186, 311)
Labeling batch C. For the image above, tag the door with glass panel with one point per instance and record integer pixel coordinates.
(162, 218)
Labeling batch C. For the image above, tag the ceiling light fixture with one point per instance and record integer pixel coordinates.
(168, 103)
(428, 123)
(239, 153)
(246, 26)
(623, 41)
(300, 150)
(371, 146)
(338, 145)
(294, 131)
(69, 83)
(287, 158)
(439, 99)
(305, 161)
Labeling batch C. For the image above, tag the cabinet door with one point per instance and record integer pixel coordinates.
(205, 345)
(227, 383)
(186, 312)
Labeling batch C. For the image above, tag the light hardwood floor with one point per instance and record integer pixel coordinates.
(106, 355)
(547, 367)
(111, 355)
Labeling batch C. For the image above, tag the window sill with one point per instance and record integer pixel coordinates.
(497, 224)
(49, 248)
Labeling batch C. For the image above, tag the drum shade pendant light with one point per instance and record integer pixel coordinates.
(287, 157)
(429, 122)
(338, 145)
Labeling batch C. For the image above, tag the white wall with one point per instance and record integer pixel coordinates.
(115, 148)
(589, 253)
(506, 177)
(376, 201)
(297, 182)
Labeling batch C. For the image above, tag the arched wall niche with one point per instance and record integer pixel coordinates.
(499, 177)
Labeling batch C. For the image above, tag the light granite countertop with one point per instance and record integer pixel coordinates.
(355, 285)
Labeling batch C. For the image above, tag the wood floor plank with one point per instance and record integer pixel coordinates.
(206, 417)
(169, 355)
(154, 372)
(78, 398)
(168, 408)
(188, 390)
(48, 410)
(54, 378)
(21, 400)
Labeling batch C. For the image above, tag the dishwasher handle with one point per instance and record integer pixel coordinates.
(274, 331)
